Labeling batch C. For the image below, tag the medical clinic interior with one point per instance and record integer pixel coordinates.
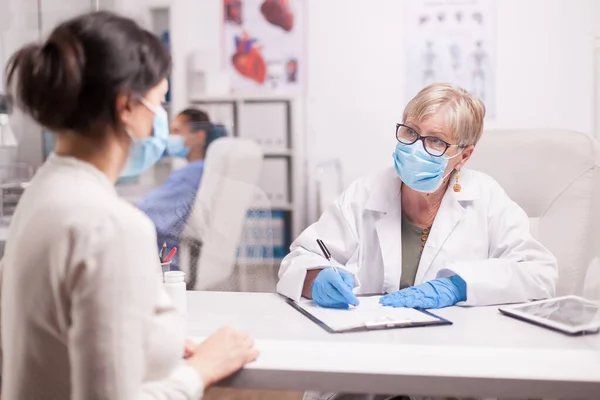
(300, 199)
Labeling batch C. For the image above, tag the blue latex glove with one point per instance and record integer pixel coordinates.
(439, 293)
(333, 290)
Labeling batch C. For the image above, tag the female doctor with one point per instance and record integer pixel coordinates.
(427, 232)
(84, 314)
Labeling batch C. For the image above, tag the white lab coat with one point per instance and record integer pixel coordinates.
(479, 233)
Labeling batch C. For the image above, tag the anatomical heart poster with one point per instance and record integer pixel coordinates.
(264, 45)
(452, 41)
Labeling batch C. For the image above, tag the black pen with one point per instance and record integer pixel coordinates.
(161, 253)
(327, 254)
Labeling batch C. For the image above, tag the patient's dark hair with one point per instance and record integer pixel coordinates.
(196, 119)
(73, 79)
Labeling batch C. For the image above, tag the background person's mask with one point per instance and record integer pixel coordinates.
(176, 146)
(176, 143)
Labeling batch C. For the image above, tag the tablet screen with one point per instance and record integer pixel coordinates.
(568, 311)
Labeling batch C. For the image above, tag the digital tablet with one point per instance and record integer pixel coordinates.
(572, 315)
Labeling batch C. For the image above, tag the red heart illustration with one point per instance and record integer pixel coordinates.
(251, 65)
(278, 13)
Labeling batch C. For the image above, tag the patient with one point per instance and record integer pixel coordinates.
(170, 204)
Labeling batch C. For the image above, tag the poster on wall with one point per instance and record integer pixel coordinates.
(264, 45)
(452, 41)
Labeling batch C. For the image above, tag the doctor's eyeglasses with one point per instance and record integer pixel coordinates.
(433, 145)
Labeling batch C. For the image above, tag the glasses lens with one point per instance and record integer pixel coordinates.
(434, 146)
(406, 135)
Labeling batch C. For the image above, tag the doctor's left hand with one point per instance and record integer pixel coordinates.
(439, 293)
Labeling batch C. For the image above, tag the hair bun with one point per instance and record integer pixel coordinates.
(73, 80)
(57, 67)
(64, 54)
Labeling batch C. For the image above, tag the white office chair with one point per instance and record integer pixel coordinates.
(210, 239)
(554, 175)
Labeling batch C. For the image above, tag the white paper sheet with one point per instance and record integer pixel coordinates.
(369, 313)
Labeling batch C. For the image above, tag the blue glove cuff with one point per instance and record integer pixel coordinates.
(461, 285)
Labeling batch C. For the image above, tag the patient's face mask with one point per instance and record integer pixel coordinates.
(176, 146)
(418, 169)
(144, 153)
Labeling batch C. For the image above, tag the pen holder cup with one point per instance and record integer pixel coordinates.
(165, 267)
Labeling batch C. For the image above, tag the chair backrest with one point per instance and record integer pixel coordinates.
(227, 188)
(554, 175)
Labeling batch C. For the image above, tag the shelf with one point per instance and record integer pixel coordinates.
(159, 4)
(282, 207)
(233, 98)
(272, 207)
(246, 112)
(277, 153)
(266, 262)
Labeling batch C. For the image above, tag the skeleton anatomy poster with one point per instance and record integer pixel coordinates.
(264, 45)
(452, 41)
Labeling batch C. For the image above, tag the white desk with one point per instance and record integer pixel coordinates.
(483, 354)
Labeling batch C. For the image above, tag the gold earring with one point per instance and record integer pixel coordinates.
(456, 186)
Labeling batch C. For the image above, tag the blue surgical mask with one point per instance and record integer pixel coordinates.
(176, 146)
(418, 169)
(176, 143)
(144, 153)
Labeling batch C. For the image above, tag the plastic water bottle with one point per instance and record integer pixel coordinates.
(175, 286)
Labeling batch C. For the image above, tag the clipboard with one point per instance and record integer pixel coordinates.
(428, 318)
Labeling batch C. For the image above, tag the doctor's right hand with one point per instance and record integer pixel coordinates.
(221, 355)
(333, 290)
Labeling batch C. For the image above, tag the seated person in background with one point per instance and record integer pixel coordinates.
(428, 233)
(170, 204)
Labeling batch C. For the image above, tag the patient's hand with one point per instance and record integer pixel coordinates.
(189, 348)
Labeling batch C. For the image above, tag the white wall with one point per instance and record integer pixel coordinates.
(356, 74)
(356, 85)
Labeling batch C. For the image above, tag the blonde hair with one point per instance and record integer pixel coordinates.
(464, 112)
